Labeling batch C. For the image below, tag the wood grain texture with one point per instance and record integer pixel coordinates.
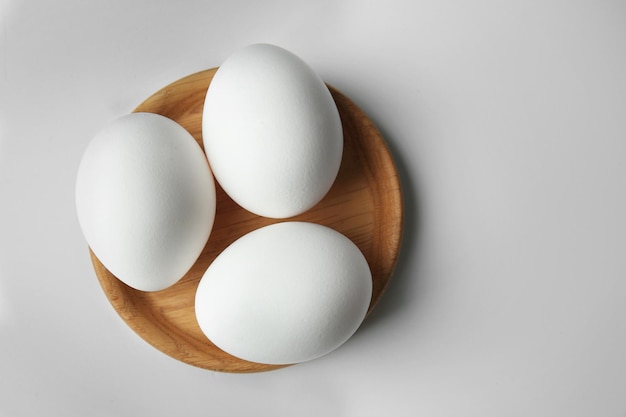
(364, 204)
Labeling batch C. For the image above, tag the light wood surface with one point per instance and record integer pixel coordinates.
(364, 204)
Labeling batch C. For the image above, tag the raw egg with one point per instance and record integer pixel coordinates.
(285, 293)
(145, 200)
(271, 132)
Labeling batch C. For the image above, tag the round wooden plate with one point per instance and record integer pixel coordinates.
(364, 204)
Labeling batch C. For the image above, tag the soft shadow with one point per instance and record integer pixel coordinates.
(397, 294)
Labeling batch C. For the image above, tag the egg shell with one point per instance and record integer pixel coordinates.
(145, 200)
(271, 131)
(285, 293)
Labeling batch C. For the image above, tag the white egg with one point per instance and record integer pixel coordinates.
(145, 200)
(271, 132)
(285, 293)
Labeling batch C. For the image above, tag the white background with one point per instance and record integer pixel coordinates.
(507, 120)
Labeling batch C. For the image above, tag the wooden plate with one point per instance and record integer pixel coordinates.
(364, 204)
